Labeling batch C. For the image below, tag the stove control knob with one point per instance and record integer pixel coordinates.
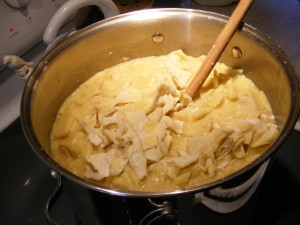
(17, 4)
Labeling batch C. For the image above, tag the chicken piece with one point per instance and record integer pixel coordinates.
(93, 134)
(153, 154)
(126, 96)
(137, 159)
(105, 164)
(100, 163)
(184, 159)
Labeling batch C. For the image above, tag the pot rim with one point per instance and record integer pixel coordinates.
(249, 30)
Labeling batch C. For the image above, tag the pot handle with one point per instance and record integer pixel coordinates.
(108, 8)
(53, 197)
(229, 200)
(164, 210)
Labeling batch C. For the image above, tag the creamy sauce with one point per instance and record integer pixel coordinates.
(133, 127)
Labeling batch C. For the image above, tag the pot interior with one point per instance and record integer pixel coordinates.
(147, 33)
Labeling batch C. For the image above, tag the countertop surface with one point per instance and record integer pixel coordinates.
(26, 182)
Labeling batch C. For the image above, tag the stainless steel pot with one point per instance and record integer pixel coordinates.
(146, 33)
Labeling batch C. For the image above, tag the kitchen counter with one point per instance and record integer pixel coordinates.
(26, 182)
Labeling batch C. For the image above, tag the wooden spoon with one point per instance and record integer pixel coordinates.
(219, 46)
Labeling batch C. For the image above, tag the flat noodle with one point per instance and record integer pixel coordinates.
(139, 131)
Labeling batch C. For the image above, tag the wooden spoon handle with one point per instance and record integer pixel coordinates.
(219, 46)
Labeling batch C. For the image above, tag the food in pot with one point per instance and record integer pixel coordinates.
(133, 127)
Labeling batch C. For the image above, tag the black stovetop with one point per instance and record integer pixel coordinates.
(26, 182)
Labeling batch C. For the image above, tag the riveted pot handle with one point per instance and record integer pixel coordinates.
(108, 8)
(54, 195)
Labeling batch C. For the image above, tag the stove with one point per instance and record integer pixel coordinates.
(26, 182)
